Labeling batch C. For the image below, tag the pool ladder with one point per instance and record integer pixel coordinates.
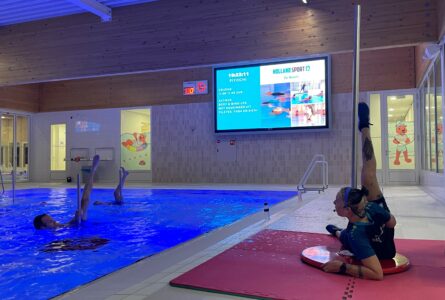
(13, 184)
(318, 159)
(1, 178)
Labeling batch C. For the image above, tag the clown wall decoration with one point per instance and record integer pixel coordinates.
(401, 139)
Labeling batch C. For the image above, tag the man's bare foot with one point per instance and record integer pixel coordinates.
(123, 172)
(95, 164)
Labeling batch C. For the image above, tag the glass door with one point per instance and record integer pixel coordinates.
(14, 143)
(400, 144)
(22, 148)
(376, 133)
(7, 149)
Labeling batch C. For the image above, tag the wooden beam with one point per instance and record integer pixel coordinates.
(22, 98)
(97, 8)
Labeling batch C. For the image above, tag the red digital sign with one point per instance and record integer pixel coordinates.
(189, 91)
(195, 87)
(202, 86)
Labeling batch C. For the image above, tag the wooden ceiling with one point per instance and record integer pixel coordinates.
(182, 33)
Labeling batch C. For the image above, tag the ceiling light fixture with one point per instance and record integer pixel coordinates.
(304, 1)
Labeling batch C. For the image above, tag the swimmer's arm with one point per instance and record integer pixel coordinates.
(371, 268)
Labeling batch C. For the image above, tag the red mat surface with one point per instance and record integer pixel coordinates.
(268, 266)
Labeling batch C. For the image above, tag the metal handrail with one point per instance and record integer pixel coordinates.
(1, 179)
(317, 159)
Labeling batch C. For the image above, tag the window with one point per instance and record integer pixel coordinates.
(58, 147)
(432, 123)
(439, 116)
(431, 117)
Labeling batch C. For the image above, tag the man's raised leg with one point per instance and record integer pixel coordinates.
(87, 189)
(369, 168)
(118, 191)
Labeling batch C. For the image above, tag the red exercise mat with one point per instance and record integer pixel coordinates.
(267, 265)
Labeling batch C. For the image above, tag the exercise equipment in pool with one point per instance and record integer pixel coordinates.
(318, 255)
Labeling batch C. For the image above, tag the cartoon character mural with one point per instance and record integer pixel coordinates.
(135, 139)
(135, 142)
(401, 139)
(135, 150)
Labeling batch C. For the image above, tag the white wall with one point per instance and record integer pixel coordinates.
(185, 149)
(107, 136)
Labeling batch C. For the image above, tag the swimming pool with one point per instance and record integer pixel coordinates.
(150, 221)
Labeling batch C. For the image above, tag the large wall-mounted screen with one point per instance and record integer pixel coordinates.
(288, 95)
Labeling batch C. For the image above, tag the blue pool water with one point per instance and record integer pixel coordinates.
(149, 222)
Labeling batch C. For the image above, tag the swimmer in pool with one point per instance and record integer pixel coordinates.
(45, 221)
(118, 199)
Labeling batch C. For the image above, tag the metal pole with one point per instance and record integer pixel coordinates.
(355, 93)
(78, 199)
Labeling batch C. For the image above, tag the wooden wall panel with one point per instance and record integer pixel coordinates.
(178, 33)
(421, 63)
(385, 69)
(380, 70)
(441, 18)
(146, 89)
(23, 98)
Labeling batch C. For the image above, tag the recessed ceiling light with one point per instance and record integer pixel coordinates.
(304, 1)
